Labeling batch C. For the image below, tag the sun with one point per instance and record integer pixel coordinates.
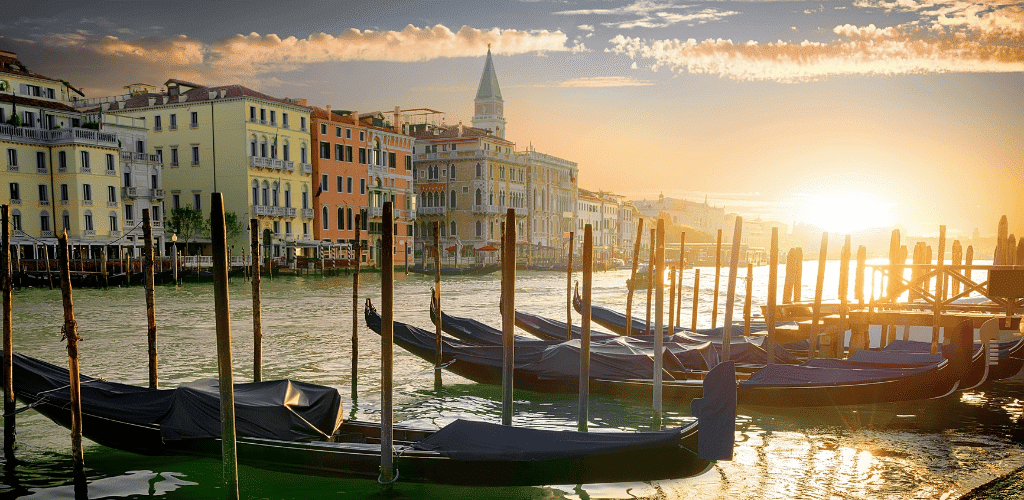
(846, 212)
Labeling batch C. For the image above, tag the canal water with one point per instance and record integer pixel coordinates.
(930, 449)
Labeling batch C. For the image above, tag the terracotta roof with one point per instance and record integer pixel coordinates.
(324, 115)
(198, 95)
(28, 101)
(452, 132)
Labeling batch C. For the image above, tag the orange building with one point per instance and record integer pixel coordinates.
(358, 164)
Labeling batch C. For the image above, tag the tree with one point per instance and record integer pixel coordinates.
(188, 223)
(232, 225)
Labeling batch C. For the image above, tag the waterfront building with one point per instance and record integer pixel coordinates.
(61, 170)
(700, 216)
(611, 219)
(252, 147)
(552, 185)
(362, 161)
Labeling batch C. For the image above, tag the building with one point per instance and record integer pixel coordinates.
(553, 192)
(700, 216)
(389, 171)
(611, 218)
(62, 172)
(252, 147)
(339, 173)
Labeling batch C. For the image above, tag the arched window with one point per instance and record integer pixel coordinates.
(451, 199)
(112, 217)
(479, 229)
(285, 153)
(323, 215)
(451, 171)
(452, 231)
(255, 192)
(349, 217)
(288, 194)
(88, 221)
(305, 196)
(263, 147)
(266, 193)
(303, 155)
(479, 174)
(341, 218)
(490, 197)
(44, 221)
(252, 145)
(479, 199)
(275, 191)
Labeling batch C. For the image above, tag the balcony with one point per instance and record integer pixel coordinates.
(307, 213)
(268, 211)
(307, 168)
(273, 124)
(47, 234)
(129, 192)
(109, 203)
(12, 168)
(139, 157)
(15, 201)
(377, 170)
(307, 236)
(158, 194)
(289, 211)
(41, 170)
(289, 166)
(89, 232)
(433, 210)
(62, 136)
(115, 234)
(487, 209)
(111, 172)
(87, 203)
(62, 169)
(289, 236)
(156, 224)
(375, 212)
(46, 203)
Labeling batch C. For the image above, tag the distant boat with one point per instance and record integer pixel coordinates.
(477, 270)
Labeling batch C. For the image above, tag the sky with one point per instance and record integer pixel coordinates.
(844, 114)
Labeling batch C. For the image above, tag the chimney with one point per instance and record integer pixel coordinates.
(355, 117)
(460, 129)
(328, 111)
(182, 97)
(396, 124)
(212, 94)
(223, 93)
(152, 101)
(166, 98)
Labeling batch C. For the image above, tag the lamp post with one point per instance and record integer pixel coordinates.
(174, 254)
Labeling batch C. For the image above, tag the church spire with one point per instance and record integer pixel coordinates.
(488, 105)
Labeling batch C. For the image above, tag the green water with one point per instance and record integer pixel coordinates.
(932, 449)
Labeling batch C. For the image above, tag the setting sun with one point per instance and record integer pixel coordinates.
(846, 212)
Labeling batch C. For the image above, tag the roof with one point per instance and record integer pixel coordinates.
(198, 95)
(10, 64)
(451, 132)
(28, 101)
(488, 81)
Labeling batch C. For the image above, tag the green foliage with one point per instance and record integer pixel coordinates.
(188, 223)
(232, 226)
(14, 120)
(91, 125)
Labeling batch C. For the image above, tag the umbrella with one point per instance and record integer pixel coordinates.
(451, 248)
(488, 248)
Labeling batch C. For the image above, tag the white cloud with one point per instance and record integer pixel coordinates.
(586, 27)
(605, 81)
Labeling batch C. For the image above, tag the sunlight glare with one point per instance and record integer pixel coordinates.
(847, 212)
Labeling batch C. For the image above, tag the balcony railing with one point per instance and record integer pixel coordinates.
(41, 170)
(131, 156)
(289, 166)
(158, 193)
(270, 211)
(46, 234)
(263, 162)
(109, 203)
(433, 210)
(115, 234)
(377, 169)
(307, 213)
(289, 236)
(307, 168)
(156, 224)
(87, 203)
(15, 201)
(59, 136)
(130, 192)
(488, 209)
(12, 168)
(89, 232)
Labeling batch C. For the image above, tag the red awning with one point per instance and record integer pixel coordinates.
(452, 248)
(488, 248)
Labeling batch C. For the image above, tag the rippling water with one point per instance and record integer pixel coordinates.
(931, 449)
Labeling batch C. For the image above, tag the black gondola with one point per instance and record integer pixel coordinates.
(477, 270)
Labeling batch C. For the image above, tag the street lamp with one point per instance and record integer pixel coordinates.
(174, 253)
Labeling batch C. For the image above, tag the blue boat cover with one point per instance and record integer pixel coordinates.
(473, 440)
(827, 372)
(716, 413)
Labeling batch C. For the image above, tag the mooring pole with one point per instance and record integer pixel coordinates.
(748, 298)
(387, 338)
(69, 332)
(773, 285)
(356, 257)
(437, 298)
(940, 281)
(257, 306)
(730, 288)
(696, 296)
(104, 282)
(816, 312)
(508, 314)
(718, 276)
(568, 288)
(682, 265)
(839, 344)
(658, 277)
(671, 299)
(588, 275)
(149, 282)
(632, 277)
(10, 434)
(650, 279)
(222, 306)
(46, 254)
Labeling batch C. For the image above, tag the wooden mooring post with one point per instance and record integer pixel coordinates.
(958, 258)
(437, 298)
(356, 260)
(632, 277)
(696, 296)
(149, 281)
(46, 254)
(773, 286)
(387, 339)
(818, 290)
(658, 279)
(671, 298)
(257, 306)
(748, 298)
(650, 279)
(718, 276)
(568, 288)
(10, 434)
(69, 332)
(222, 306)
(730, 299)
(682, 265)
(508, 314)
(588, 274)
(940, 281)
(104, 280)
(839, 344)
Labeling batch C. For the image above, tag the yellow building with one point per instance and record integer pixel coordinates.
(59, 170)
(252, 147)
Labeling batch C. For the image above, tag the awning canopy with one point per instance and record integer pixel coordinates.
(452, 248)
(488, 248)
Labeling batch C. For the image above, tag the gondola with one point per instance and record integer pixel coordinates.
(477, 270)
(277, 432)
(870, 378)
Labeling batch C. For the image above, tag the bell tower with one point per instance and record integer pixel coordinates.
(488, 112)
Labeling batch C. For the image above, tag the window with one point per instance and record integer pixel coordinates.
(391, 160)
(12, 157)
(348, 133)
(273, 117)
(86, 192)
(193, 119)
(348, 153)
(408, 163)
(305, 200)
(302, 122)
(337, 131)
(362, 135)
(362, 155)
(323, 129)
(341, 215)
(197, 200)
(175, 201)
(263, 116)
(160, 156)
(275, 190)
(16, 220)
(323, 216)
(341, 185)
(252, 114)
(62, 161)
(339, 152)
(64, 192)
(284, 120)
(323, 182)
(88, 221)
(113, 221)
(252, 146)
(348, 183)
(157, 124)
(325, 150)
(263, 147)
(362, 186)
(195, 155)
(255, 193)
(479, 231)
(129, 212)
(172, 122)
(15, 193)
(452, 232)
(127, 182)
(302, 154)
(110, 163)
(451, 200)
(112, 194)
(44, 221)
(287, 227)
(174, 157)
(41, 161)
(85, 162)
(451, 171)
(349, 217)
(65, 219)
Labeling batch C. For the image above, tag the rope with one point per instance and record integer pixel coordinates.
(23, 408)
(388, 483)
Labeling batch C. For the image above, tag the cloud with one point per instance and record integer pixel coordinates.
(651, 15)
(956, 40)
(604, 81)
(586, 27)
